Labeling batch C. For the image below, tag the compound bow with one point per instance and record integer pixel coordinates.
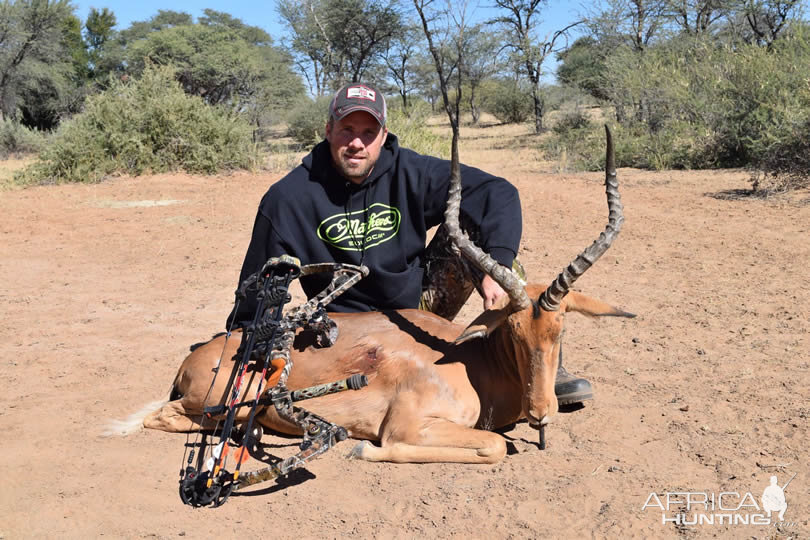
(266, 342)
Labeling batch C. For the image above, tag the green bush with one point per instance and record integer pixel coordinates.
(144, 125)
(18, 139)
(703, 104)
(576, 148)
(413, 133)
(507, 101)
(307, 121)
(786, 164)
(571, 120)
(581, 147)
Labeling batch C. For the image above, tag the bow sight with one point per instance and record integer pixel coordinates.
(265, 344)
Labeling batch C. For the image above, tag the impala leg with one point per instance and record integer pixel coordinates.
(440, 442)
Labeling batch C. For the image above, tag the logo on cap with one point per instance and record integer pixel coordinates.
(361, 92)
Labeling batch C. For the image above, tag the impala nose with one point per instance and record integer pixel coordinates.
(533, 419)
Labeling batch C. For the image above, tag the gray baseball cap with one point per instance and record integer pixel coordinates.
(358, 97)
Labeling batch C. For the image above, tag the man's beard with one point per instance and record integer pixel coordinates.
(354, 172)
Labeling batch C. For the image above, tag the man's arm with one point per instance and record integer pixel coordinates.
(491, 204)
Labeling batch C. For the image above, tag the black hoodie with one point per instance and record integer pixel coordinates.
(316, 215)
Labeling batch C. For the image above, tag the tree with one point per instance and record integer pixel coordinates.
(767, 19)
(56, 86)
(35, 45)
(310, 46)
(164, 19)
(632, 22)
(222, 60)
(98, 31)
(517, 22)
(402, 58)
(251, 34)
(481, 50)
(446, 63)
(360, 30)
(583, 65)
(444, 30)
(696, 17)
(335, 41)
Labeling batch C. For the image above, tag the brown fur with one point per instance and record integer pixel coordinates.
(426, 395)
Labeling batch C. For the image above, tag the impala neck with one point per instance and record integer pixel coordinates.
(499, 385)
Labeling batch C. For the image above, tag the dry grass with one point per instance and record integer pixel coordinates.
(10, 166)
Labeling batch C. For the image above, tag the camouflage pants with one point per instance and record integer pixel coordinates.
(449, 279)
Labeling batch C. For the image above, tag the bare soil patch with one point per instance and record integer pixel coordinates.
(104, 287)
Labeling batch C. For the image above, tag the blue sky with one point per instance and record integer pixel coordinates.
(556, 15)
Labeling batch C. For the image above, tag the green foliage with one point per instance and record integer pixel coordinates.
(222, 60)
(98, 33)
(700, 104)
(39, 49)
(18, 139)
(307, 120)
(570, 121)
(144, 125)
(786, 164)
(75, 47)
(507, 100)
(412, 131)
(212, 61)
(164, 19)
(566, 97)
(577, 144)
(583, 65)
(339, 40)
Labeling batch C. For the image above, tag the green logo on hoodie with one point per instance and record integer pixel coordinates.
(361, 229)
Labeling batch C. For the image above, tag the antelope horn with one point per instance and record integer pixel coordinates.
(551, 297)
(504, 277)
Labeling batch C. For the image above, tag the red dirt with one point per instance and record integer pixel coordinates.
(102, 292)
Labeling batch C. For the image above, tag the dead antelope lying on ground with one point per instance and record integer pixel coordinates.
(433, 384)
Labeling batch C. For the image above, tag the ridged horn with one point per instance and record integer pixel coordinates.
(504, 277)
(551, 297)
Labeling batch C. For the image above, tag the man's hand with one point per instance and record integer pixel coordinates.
(491, 292)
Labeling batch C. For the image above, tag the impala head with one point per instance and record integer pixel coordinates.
(531, 321)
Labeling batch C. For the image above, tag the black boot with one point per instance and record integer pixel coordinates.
(569, 388)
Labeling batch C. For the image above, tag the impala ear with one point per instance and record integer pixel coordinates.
(485, 323)
(592, 307)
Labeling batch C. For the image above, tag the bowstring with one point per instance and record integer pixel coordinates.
(198, 433)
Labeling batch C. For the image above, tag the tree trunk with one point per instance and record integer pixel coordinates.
(476, 113)
(538, 110)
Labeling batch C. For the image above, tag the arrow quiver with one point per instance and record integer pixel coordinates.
(265, 344)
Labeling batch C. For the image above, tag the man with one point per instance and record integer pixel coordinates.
(359, 198)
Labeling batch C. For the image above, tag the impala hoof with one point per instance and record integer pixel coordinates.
(357, 451)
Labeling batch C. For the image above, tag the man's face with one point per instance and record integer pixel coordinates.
(355, 143)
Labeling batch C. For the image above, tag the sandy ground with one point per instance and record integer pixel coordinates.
(103, 288)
